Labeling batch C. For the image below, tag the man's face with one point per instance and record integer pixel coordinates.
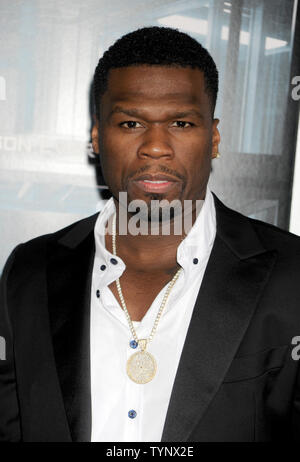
(156, 135)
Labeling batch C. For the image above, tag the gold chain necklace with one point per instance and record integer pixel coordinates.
(141, 366)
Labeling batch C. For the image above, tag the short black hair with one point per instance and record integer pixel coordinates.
(156, 46)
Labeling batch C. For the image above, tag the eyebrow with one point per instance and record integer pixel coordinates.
(136, 113)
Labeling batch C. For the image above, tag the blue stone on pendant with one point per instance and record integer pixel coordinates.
(133, 344)
(132, 414)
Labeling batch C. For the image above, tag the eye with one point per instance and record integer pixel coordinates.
(182, 124)
(131, 124)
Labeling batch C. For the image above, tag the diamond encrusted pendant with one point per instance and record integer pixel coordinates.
(141, 366)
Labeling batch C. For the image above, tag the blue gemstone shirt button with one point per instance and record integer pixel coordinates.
(103, 267)
(195, 261)
(98, 293)
(113, 261)
(133, 344)
(132, 414)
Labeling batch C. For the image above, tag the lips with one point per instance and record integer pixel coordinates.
(155, 177)
(155, 182)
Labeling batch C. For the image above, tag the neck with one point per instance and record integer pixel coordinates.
(150, 252)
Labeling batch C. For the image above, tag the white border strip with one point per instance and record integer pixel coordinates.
(295, 205)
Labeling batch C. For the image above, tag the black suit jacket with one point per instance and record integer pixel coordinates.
(236, 380)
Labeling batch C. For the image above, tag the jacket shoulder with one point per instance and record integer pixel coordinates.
(271, 236)
(31, 250)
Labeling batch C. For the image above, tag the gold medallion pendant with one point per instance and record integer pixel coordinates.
(141, 367)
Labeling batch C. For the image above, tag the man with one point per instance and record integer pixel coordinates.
(101, 346)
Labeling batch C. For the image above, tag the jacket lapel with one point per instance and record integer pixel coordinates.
(237, 271)
(69, 271)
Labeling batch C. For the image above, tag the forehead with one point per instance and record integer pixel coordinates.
(156, 83)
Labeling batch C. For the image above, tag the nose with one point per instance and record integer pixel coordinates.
(155, 144)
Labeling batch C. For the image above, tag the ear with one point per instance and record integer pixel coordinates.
(95, 136)
(216, 138)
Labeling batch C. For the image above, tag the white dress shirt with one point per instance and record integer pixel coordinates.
(113, 393)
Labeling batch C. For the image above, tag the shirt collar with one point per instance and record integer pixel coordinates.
(191, 252)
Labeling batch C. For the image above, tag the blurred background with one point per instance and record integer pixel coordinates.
(49, 50)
